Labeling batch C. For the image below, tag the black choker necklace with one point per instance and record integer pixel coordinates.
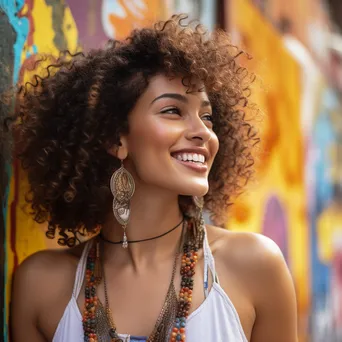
(143, 240)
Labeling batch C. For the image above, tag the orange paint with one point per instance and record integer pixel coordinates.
(139, 17)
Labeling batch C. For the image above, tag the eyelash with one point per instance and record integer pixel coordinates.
(167, 110)
(175, 110)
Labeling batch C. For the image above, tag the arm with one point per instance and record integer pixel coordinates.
(25, 303)
(275, 302)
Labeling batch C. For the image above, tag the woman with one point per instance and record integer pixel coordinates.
(132, 141)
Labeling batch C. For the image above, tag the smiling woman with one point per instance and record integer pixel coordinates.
(131, 143)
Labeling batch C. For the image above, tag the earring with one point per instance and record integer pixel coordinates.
(122, 187)
(199, 232)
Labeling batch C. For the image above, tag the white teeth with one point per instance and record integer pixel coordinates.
(193, 157)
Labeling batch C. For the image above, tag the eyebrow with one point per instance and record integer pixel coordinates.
(179, 97)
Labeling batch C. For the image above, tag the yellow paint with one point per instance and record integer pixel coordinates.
(69, 26)
(44, 33)
(329, 225)
(280, 171)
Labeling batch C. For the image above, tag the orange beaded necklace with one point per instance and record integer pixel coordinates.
(94, 275)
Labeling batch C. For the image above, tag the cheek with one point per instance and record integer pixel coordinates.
(161, 135)
(150, 141)
(156, 136)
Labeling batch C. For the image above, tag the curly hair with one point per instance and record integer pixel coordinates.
(66, 119)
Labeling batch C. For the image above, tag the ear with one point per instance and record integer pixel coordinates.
(119, 151)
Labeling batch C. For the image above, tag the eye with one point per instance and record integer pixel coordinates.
(207, 117)
(171, 110)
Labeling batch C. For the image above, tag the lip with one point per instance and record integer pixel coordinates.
(201, 168)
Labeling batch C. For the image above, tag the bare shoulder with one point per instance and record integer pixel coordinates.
(260, 272)
(47, 265)
(246, 251)
(43, 281)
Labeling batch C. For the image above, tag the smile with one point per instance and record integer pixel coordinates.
(194, 161)
(190, 157)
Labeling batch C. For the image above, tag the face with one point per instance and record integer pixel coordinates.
(171, 143)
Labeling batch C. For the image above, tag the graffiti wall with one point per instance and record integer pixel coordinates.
(297, 200)
(275, 204)
(29, 27)
(325, 214)
(98, 20)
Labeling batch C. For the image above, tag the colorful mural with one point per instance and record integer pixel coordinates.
(56, 31)
(326, 218)
(99, 20)
(6, 72)
(49, 26)
(275, 204)
(297, 200)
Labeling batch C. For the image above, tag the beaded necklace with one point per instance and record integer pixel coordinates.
(192, 244)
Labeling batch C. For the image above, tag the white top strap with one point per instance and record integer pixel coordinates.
(209, 263)
(81, 268)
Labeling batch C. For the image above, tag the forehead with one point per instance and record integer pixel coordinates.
(161, 84)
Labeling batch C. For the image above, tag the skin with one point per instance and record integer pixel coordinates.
(251, 267)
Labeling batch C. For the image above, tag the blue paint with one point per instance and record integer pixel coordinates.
(324, 137)
(21, 27)
(33, 52)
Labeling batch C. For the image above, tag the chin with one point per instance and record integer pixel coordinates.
(195, 189)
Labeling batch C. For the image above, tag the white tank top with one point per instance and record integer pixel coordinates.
(216, 319)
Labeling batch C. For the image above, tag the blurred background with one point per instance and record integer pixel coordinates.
(297, 196)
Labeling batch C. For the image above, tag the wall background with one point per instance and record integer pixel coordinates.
(297, 198)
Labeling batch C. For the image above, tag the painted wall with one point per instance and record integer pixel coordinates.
(32, 26)
(325, 217)
(275, 204)
(297, 200)
(309, 19)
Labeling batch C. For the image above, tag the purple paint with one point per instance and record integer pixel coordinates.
(89, 23)
(275, 225)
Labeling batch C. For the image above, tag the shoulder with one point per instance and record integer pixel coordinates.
(42, 282)
(259, 271)
(48, 264)
(254, 258)
(45, 276)
(245, 248)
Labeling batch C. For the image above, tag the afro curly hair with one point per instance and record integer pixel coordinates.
(63, 121)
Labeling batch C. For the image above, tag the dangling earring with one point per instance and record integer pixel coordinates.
(199, 231)
(122, 187)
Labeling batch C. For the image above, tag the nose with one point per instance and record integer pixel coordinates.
(198, 131)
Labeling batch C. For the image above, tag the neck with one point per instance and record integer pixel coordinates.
(152, 213)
